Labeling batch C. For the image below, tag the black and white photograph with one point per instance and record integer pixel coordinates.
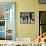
(27, 17)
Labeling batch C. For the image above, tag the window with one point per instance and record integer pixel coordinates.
(42, 22)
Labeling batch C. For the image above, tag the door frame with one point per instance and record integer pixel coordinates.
(39, 22)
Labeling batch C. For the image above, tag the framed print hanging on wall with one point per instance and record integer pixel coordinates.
(27, 17)
(42, 1)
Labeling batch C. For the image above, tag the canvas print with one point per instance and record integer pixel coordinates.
(27, 17)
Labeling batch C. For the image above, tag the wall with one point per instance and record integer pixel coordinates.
(27, 30)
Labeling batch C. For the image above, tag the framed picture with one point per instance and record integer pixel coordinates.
(27, 17)
(42, 1)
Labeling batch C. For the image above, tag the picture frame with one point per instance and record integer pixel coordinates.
(27, 17)
(42, 1)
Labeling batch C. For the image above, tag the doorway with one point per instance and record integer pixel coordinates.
(7, 21)
(42, 22)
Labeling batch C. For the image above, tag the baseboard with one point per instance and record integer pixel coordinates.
(24, 39)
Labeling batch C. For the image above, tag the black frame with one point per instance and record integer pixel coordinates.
(30, 16)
